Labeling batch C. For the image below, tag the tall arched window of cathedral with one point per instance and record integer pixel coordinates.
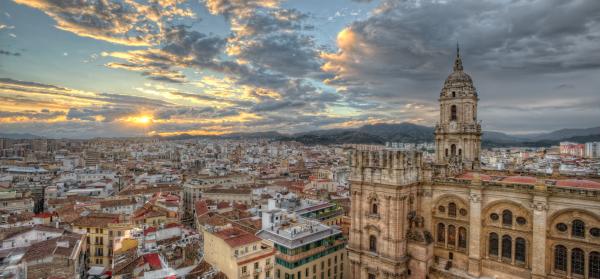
(374, 208)
(453, 150)
(520, 250)
(560, 258)
(452, 209)
(441, 233)
(594, 265)
(453, 113)
(577, 261)
(446, 152)
(507, 247)
(578, 228)
(493, 244)
(507, 217)
(373, 244)
(460, 152)
(453, 94)
(451, 236)
(462, 238)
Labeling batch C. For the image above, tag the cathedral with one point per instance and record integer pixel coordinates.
(411, 218)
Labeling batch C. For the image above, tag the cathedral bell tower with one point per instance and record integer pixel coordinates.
(458, 134)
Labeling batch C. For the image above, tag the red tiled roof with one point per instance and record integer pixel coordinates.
(153, 260)
(469, 176)
(149, 230)
(520, 179)
(201, 208)
(235, 237)
(578, 183)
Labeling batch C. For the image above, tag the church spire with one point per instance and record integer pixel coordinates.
(458, 62)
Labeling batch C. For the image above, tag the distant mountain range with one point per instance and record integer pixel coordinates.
(403, 132)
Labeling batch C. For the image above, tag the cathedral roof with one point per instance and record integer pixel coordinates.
(564, 183)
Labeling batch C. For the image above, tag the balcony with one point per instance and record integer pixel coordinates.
(268, 266)
(257, 270)
(294, 258)
(245, 275)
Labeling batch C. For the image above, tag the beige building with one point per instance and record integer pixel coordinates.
(415, 219)
(239, 254)
(104, 233)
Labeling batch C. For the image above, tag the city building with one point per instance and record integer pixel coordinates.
(239, 254)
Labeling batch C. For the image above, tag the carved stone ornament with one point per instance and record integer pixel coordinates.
(539, 206)
(474, 198)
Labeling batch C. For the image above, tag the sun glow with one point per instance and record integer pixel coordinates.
(142, 119)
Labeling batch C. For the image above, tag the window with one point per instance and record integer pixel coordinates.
(493, 244)
(372, 276)
(462, 238)
(453, 150)
(451, 235)
(244, 269)
(441, 209)
(452, 209)
(374, 208)
(506, 247)
(578, 229)
(577, 261)
(256, 265)
(561, 227)
(441, 233)
(453, 94)
(594, 268)
(306, 272)
(463, 212)
(453, 113)
(494, 217)
(372, 244)
(521, 221)
(507, 217)
(560, 258)
(446, 152)
(595, 232)
(520, 250)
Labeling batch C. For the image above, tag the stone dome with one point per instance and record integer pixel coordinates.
(458, 81)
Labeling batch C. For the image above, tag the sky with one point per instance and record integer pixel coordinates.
(100, 68)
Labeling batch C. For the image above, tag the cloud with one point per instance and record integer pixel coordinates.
(104, 114)
(403, 52)
(43, 114)
(9, 53)
(124, 22)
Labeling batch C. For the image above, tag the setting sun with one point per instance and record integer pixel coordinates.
(142, 119)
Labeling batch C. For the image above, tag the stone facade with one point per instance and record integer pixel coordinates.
(446, 219)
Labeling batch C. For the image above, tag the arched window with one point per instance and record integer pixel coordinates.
(453, 94)
(577, 261)
(441, 233)
(453, 113)
(451, 235)
(578, 228)
(374, 208)
(460, 152)
(446, 152)
(594, 268)
(493, 244)
(452, 209)
(462, 237)
(372, 243)
(506, 246)
(507, 217)
(520, 250)
(560, 258)
(453, 150)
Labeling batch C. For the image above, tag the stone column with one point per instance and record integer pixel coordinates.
(474, 236)
(538, 245)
